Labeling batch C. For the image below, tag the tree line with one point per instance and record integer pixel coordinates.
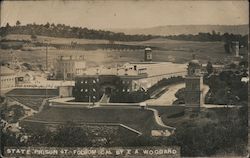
(66, 31)
(227, 38)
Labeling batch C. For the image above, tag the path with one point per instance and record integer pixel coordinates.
(168, 97)
(158, 119)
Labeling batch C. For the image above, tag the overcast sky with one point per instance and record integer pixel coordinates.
(125, 14)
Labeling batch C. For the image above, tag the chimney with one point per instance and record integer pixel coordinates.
(135, 67)
(237, 49)
(193, 56)
(126, 71)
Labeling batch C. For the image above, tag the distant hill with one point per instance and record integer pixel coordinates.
(186, 29)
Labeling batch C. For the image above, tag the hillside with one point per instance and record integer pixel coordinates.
(141, 120)
(186, 29)
(164, 50)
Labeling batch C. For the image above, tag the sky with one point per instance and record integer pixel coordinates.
(104, 14)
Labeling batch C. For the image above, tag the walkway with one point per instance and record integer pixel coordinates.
(159, 120)
(168, 97)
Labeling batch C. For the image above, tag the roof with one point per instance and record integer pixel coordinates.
(120, 71)
(195, 61)
(34, 102)
(160, 68)
(5, 71)
(33, 92)
(148, 48)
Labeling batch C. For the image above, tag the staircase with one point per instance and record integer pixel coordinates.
(105, 98)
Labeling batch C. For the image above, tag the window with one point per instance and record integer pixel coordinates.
(123, 90)
(128, 90)
(123, 82)
(94, 89)
(94, 81)
(197, 71)
(81, 81)
(86, 90)
(86, 82)
(94, 97)
(81, 90)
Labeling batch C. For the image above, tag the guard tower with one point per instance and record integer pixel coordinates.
(236, 48)
(194, 82)
(148, 56)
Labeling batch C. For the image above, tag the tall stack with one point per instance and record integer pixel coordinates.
(194, 84)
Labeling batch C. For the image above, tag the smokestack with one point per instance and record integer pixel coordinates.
(126, 71)
(193, 56)
(237, 49)
(135, 67)
(47, 57)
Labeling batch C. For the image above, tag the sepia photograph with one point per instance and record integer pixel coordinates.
(127, 78)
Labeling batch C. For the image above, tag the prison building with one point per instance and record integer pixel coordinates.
(67, 67)
(91, 86)
(7, 77)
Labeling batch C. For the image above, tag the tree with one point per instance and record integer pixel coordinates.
(70, 135)
(7, 25)
(227, 48)
(33, 37)
(18, 23)
(209, 67)
(47, 25)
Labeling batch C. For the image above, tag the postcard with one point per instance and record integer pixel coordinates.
(127, 78)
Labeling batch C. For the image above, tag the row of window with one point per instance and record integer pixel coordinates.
(67, 64)
(97, 80)
(86, 90)
(125, 82)
(7, 79)
(94, 90)
(93, 81)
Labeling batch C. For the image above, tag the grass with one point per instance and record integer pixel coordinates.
(169, 50)
(142, 120)
(33, 92)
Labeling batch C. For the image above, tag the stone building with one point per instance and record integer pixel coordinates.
(67, 68)
(194, 84)
(7, 77)
(148, 56)
(91, 86)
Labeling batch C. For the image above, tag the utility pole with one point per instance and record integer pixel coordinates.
(236, 45)
(46, 57)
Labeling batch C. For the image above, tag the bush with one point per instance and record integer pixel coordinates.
(211, 138)
(129, 97)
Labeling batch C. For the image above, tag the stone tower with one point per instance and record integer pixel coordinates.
(148, 56)
(194, 83)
